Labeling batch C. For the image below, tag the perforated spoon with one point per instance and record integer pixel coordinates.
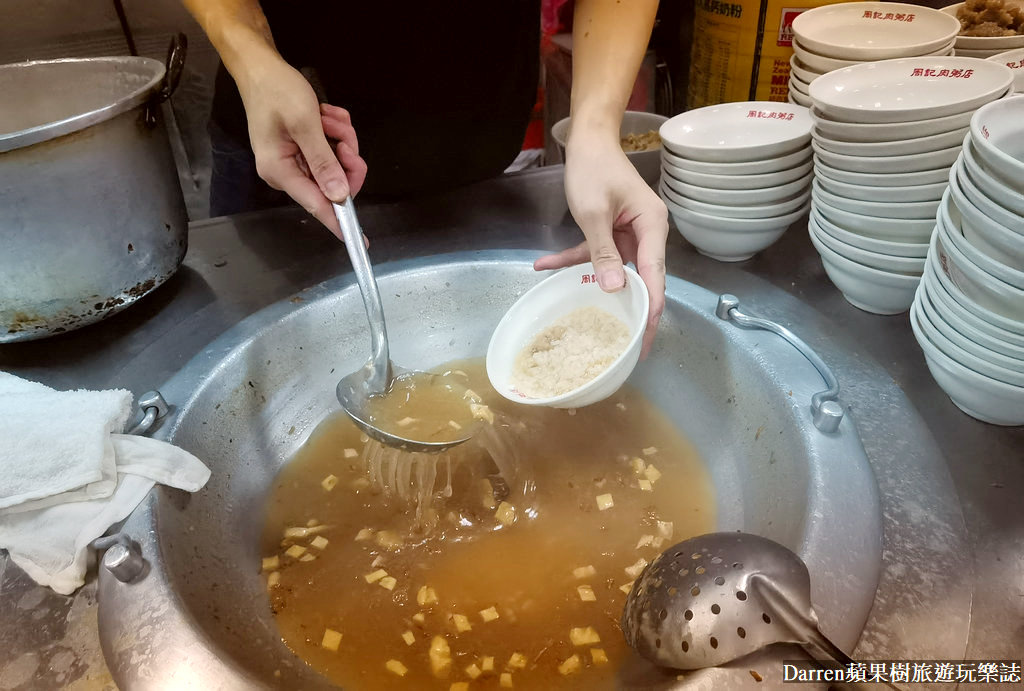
(376, 376)
(715, 598)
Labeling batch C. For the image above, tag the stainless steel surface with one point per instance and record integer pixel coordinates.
(91, 213)
(376, 375)
(825, 408)
(715, 598)
(923, 450)
(255, 394)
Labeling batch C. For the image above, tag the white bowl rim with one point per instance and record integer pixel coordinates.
(791, 137)
(827, 196)
(739, 224)
(927, 325)
(932, 351)
(913, 263)
(870, 270)
(981, 141)
(1001, 77)
(937, 186)
(936, 313)
(802, 197)
(986, 264)
(942, 35)
(953, 307)
(826, 225)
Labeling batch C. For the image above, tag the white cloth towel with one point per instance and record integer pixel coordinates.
(50, 538)
(55, 445)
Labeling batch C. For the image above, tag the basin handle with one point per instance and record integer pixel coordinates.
(826, 412)
(153, 407)
(122, 558)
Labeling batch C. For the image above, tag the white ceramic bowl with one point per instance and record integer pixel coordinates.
(919, 177)
(767, 165)
(954, 351)
(967, 322)
(983, 42)
(970, 271)
(887, 131)
(902, 90)
(990, 186)
(874, 30)
(817, 62)
(997, 130)
(997, 322)
(977, 54)
(732, 132)
(548, 301)
(915, 145)
(908, 266)
(746, 211)
(891, 229)
(912, 210)
(729, 239)
(805, 73)
(908, 193)
(633, 122)
(802, 100)
(910, 163)
(931, 316)
(984, 224)
(917, 250)
(758, 196)
(738, 182)
(1014, 59)
(797, 84)
(871, 290)
(979, 396)
(951, 217)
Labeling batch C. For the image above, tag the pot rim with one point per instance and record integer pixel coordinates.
(58, 128)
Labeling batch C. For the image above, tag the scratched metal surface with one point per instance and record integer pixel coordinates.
(936, 548)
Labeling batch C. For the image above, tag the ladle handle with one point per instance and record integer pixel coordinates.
(352, 233)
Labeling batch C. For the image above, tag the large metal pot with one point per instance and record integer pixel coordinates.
(91, 212)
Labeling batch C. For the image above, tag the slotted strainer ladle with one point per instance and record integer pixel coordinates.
(715, 598)
(376, 376)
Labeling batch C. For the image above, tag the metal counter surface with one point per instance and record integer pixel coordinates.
(238, 265)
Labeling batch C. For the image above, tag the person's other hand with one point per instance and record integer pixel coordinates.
(622, 219)
(289, 132)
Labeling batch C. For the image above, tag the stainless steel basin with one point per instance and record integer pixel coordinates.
(200, 618)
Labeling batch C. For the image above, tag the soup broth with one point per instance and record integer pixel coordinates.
(486, 578)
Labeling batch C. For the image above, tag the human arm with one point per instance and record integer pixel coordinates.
(288, 127)
(621, 217)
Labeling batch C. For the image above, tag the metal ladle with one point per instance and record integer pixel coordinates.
(376, 376)
(715, 598)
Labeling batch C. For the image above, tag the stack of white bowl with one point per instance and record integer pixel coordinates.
(968, 315)
(735, 176)
(981, 46)
(885, 134)
(832, 37)
(1014, 59)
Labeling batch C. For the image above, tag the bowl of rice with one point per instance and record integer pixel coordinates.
(566, 343)
(638, 136)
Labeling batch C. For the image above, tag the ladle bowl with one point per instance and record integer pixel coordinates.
(376, 376)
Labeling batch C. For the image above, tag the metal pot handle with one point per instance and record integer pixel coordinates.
(122, 556)
(826, 410)
(173, 67)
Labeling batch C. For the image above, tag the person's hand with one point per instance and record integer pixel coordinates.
(622, 219)
(289, 131)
